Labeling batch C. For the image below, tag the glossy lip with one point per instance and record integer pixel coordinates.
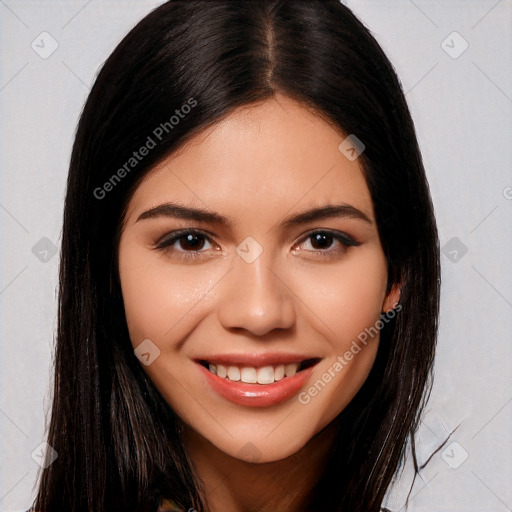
(257, 395)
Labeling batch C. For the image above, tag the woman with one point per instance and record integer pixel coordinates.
(249, 283)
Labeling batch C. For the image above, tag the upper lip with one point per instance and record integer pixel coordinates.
(256, 360)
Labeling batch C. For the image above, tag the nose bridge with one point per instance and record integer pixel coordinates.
(253, 297)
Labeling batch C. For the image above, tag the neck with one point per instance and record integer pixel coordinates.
(231, 485)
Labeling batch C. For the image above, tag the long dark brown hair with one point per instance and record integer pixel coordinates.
(116, 437)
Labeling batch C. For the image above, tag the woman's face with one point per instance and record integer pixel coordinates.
(246, 298)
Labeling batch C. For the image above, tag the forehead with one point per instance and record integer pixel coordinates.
(263, 159)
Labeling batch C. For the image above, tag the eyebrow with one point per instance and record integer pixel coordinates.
(177, 211)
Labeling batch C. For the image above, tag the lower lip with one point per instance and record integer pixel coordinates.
(257, 395)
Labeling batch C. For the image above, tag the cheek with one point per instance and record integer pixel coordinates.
(156, 296)
(346, 304)
(345, 298)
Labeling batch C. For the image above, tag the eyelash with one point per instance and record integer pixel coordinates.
(165, 243)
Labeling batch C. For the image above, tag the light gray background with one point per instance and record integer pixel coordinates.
(462, 110)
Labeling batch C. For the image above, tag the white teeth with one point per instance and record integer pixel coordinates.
(291, 369)
(221, 371)
(266, 375)
(250, 375)
(233, 373)
(279, 372)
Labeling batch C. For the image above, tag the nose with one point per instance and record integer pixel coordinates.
(255, 298)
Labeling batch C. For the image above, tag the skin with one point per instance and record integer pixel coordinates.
(258, 166)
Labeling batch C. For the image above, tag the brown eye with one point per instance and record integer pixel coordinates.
(191, 242)
(320, 243)
(184, 244)
(321, 240)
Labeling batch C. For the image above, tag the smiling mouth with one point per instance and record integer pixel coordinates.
(262, 375)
